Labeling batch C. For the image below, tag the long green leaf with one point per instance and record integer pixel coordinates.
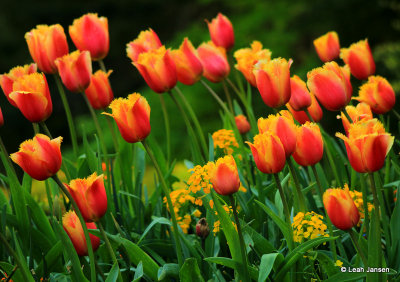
(113, 275)
(233, 264)
(160, 220)
(267, 262)
(190, 271)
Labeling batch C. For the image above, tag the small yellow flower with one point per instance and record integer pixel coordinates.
(225, 139)
(308, 226)
(197, 213)
(338, 263)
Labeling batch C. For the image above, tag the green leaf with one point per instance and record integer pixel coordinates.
(261, 244)
(210, 148)
(160, 220)
(138, 272)
(347, 276)
(395, 233)
(267, 262)
(113, 275)
(327, 263)
(168, 270)
(90, 155)
(9, 268)
(233, 264)
(374, 248)
(51, 258)
(190, 271)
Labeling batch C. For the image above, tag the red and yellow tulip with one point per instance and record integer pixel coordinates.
(300, 97)
(225, 177)
(242, 124)
(327, 46)
(357, 113)
(309, 145)
(99, 92)
(215, 63)
(221, 31)
(146, 41)
(359, 58)
(314, 109)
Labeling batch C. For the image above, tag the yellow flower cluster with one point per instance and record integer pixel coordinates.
(184, 222)
(225, 139)
(200, 178)
(308, 226)
(359, 202)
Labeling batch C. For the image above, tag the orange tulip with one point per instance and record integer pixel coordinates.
(90, 33)
(314, 110)
(132, 116)
(247, 57)
(214, 60)
(309, 145)
(7, 79)
(330, 85)
(221, 31)
(340, 208)
(188, 66)
(273, 81)
(75, 70)
(359, 58)
(31, 94)
(46, 44)
(146, 41)
(361, 111)
(327, 46)
(158, 69)
(378, 94)
(282, 125)
(268, 152)
(242, 124)
(225, 177)
(99, 92)
(39, 157)
(300, 97)
(367, 145)
(90, 196)
(74, 229)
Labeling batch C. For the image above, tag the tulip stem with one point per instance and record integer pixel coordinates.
(102, 66)
(347, 115)
(396, 114)
(300, 196)
(354, 238)
(309, 115)
(241, 240)
(113, 135)
(7, 157)
(228, 97)
(169, 202)
(167, 127)
(331, 162)
(282, 194)
(109, 247)
(84, 227)
(377, 218)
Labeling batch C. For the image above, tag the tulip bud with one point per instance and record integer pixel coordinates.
(1, 118)
(309, 145)
(242, 124)
(90, 196)
(327, 46)
(300, 97)
(146, 41)
(361, 111)
(39, 157)
(340, 208)
(132, 116)
(221, 32)
(215, 63)
(202, 228)
(99, 92)
(359, 57)
(46, 44)
(31, 94)
(378, 94)
(314, 110)
(90, 33)
(73, 228)
(225, 177)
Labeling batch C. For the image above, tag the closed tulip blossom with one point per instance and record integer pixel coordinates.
(39, 157)
(300, 97)
(273, 81)
(157, 69)
(75, 70)
(31, 94)
(309, 145)
(242, 124)
(132, 116)
(146, 41)
(7, 79)
(327, 46)
(340, 208)
(74, 230)
(357, 113)
(314, 110)
(378, 94)
(99, 92)
(188, 65)
(367, 145)
(1, 118)
(359, 58)
(46, 44)
(221, 31)
(331, 86)
(215, 62)
(90, 33)
(225, 177)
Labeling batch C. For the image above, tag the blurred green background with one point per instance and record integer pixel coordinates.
(286, 27)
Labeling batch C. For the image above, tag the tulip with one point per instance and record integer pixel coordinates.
(158, 69)
(99, 92)
(90, 33)
(359, 58)
(202, 228)
(330, 85)
(188, 66)
(74, 229)
(367, 145)
(146, 41)
(247, 57)
(242, 124)
(314, 110)
(300, 97)
(46, 44)
(327, 46)
(378, 94)
(7, 80)
(75, 70)
(221, 32)
(90, 196)
(214, 60)
(273, 81)
(309, 145)
(1, 118)
(340, 208)
(31, 94)
(132, 116)
(39, 157)
(268, 152)
(224, 176)
(282, 125)
(361, 111)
